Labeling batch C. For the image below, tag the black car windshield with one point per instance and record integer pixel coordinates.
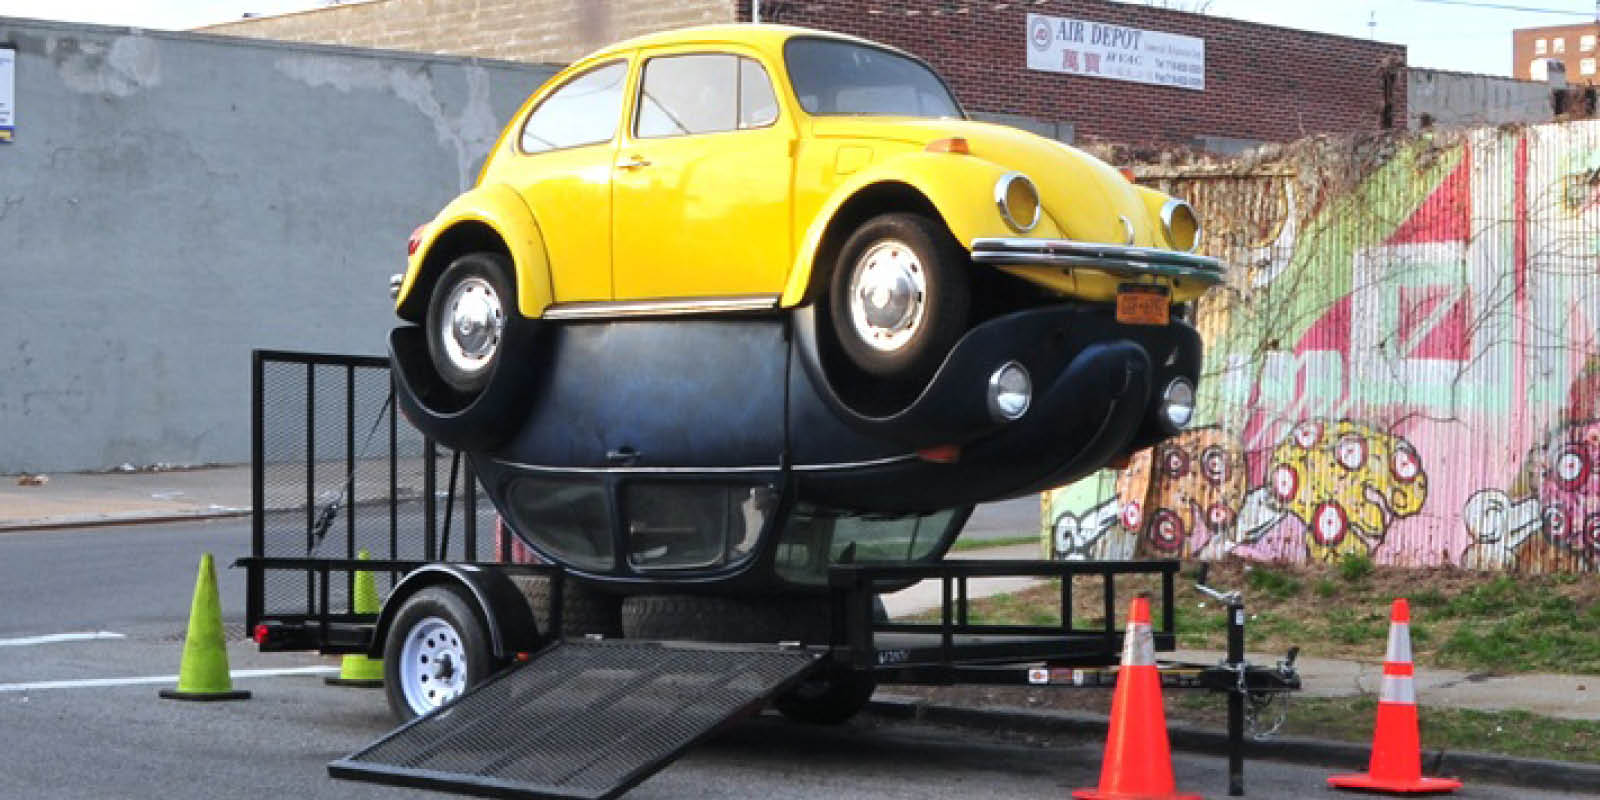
(838, 77)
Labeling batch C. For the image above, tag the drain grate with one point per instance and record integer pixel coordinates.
(582, 720)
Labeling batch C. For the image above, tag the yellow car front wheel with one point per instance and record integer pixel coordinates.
(900, 297)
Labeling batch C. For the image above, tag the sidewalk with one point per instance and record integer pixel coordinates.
(74, 499)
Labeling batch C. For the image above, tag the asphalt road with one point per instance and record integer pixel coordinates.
(115, 739)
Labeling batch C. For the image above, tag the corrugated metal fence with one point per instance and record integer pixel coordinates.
(1404, 363)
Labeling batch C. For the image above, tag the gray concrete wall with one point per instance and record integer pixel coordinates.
(174, 200)
(1460, 98)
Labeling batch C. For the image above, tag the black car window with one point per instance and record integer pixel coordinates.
(688, 525)
(566, 517)
(840, 77)
(583, 111)
(703, 93)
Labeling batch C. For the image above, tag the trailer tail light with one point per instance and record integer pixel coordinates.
(260, 634)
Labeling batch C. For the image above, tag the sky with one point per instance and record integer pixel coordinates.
(1460, 35)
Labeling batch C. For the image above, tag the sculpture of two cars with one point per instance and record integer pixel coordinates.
(780, 273)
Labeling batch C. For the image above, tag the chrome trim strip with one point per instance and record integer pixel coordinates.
(606, 309)
(708, 470)
(639, 470)
(1120, 259)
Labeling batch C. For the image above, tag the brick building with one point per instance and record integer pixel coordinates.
(1245, 83)
(1575, 47)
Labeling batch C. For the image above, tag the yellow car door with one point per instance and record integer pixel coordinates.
(563, 170)
(700, 189)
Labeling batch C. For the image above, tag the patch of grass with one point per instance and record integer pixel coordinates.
(1277, 584)
(1355, 567)
(961, 545)
(1460, 620)
(1351, 719)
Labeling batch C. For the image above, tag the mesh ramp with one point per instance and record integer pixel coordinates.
(584, 719)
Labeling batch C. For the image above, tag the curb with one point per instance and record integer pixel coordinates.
(1533, 773)
(106, 521)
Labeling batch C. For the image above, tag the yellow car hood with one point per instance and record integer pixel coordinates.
(1082, 195)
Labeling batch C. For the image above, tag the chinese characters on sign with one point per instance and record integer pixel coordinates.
(1080, 47)
(8, 93)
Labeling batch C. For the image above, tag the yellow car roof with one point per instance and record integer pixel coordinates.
(768, 38)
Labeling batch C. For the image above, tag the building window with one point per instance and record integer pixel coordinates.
(1586, 43)
(1539, 69)
(1586, 66)
(1539, 47)
(1558, 45)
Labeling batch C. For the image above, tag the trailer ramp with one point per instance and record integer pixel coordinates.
(583, 719)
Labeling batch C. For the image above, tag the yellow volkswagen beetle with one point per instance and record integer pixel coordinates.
(731, 170)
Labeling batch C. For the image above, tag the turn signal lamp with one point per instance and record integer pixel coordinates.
(941, 454)
(955, 145)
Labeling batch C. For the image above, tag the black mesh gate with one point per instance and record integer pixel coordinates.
(584, 719)
(336, 473)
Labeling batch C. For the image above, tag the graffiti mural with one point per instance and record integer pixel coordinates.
(1404, 364)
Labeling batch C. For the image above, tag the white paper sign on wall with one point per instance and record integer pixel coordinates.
(1102, 50)
(8, 93)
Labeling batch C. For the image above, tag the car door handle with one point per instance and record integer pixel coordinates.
(623, 456)
(634, 163)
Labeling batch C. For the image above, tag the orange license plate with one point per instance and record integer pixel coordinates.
(1139, 304)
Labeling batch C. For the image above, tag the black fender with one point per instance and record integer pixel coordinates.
(466, 423)
(503, 609)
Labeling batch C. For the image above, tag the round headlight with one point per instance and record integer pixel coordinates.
(1181, 224)
(1177, 404)
(1010, 392)
(1018, 200)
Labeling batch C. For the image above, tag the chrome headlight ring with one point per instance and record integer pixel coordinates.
(1002, 194)
(1170, 209)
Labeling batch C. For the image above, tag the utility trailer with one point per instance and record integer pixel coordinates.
(543, 698)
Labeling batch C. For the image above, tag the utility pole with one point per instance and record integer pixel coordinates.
(1372, 21)
(755, 10)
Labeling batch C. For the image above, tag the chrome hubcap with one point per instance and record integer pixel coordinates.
(433, 665)
(888, 295)
(473, 321)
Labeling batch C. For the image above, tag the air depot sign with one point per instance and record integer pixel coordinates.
(1081, 47)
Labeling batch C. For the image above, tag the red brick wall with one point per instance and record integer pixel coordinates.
(1262, 82)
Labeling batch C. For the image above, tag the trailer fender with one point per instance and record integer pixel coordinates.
(498, 603)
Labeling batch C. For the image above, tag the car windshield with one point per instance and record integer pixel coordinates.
(837, 77)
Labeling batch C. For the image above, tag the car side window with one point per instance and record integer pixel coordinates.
(703, 93)
(583, 111)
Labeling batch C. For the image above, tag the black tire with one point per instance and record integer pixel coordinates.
(945, 303)
(418, 618)
(726, 619)
(483, 275)
(584, 610)
(830, 698)
(834, 695)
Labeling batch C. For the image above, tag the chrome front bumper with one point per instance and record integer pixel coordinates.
(1113, 258)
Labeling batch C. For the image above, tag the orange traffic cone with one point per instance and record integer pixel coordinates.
(1138, 761)
(1396, 764)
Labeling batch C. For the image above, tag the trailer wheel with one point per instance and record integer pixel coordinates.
(584, 610)
(436, 650)
(827, 699)
(834, 696)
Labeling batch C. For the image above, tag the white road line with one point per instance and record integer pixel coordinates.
(90, 683)
(59, 637)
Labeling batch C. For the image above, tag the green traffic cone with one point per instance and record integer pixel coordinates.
(204, 672)
(356, 669)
